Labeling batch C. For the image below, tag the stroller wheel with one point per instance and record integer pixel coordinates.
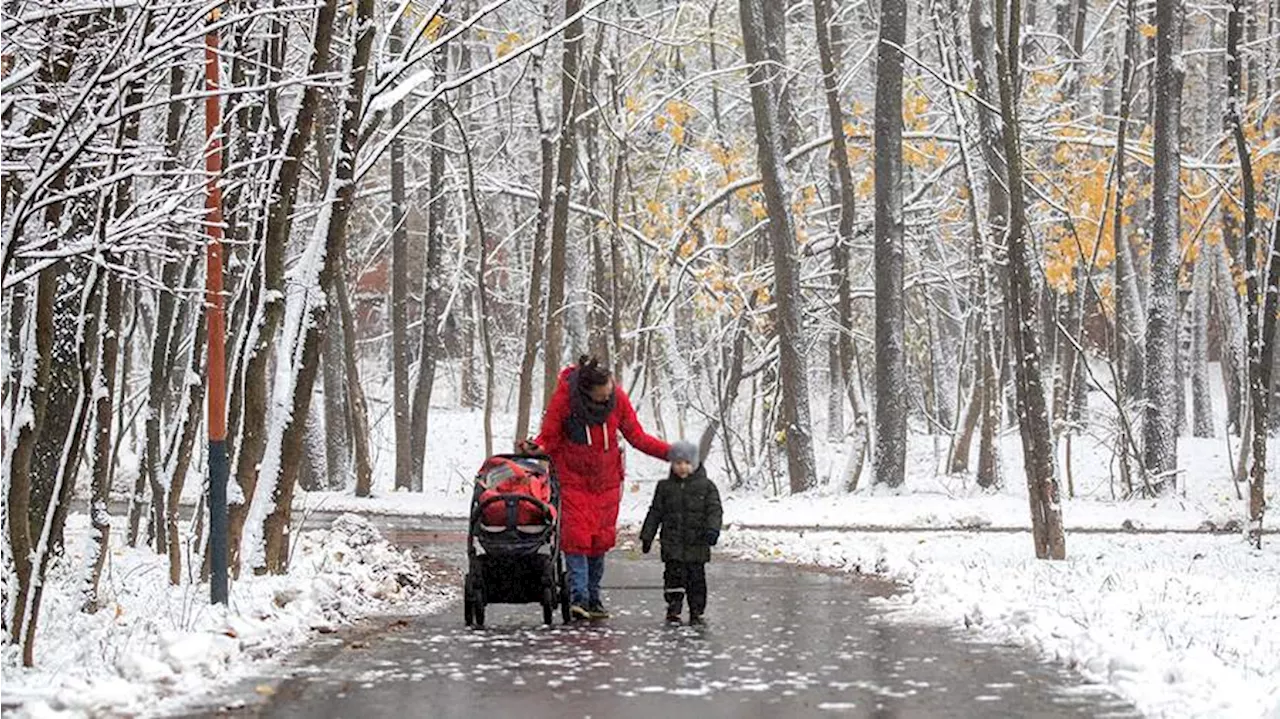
(565, 616)
(472, 603)
(548, 605)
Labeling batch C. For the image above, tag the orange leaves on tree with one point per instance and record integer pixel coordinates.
(1087, 239)
(508, 43)
(925, 155)
(915, 105)
(673, 119)
(434, 26)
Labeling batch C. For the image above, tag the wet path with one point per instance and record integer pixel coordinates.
(781, 641)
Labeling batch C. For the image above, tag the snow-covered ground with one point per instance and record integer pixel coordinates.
(152, 643)
(1182, 626)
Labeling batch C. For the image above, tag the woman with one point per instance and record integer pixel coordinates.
(580, 433)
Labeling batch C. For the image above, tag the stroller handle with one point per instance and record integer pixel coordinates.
(521, 455)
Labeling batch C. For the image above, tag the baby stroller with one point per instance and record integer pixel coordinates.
(513, 538)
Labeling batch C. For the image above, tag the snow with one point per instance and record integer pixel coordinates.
(1181, 626)
(386, 100)
(153, 645)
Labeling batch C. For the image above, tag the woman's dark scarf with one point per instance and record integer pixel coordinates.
(584, 411)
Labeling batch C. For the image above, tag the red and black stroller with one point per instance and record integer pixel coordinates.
(513, 538)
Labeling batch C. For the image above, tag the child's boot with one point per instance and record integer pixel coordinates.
(675, 602)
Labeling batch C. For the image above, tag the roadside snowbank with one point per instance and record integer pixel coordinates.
(151, 641)
(1185, 626)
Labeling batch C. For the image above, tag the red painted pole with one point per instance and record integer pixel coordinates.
(214, 306)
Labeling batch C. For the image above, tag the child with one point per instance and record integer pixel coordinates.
(686, 505)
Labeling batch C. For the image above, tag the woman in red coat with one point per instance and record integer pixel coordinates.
(580, 432)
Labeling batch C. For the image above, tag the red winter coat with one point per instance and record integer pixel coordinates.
(591, 474)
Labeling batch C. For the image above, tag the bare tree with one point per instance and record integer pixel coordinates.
(1160, 429)
(891, 365)
(571, 91)
(253, 442)
(400, 289)
(275, 528)
(1024, 323)
(788, 316)
(842, 350)
(1263, 304)
(429, 344)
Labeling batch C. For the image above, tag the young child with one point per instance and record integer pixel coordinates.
(686, 506)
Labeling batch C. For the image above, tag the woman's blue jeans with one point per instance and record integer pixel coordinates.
(585, 574)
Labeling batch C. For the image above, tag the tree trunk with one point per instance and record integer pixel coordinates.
(108, 362)
(1263, 296)
(357, 408)
(891, 366)
(1227, 309)
(337, 445)
(994, 278)
(99, 511)
(400, 288)
(788, 316)
(429, 344)
(343, 189)
(1033, 416)
(253, 441)
(533, 310)
(1160, 430)
(571, 91)
(824, 27)
(482, 293)
(20, 480)
(1201, 396)
(182, 453)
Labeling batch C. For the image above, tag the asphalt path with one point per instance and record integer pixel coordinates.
(780, 641)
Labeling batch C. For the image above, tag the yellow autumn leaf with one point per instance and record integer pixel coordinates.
(1147, 29)
(758, 210)
(509, 43)
(433, 27)
(679, 111)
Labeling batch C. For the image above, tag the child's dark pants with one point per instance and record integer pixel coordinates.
(685, 578)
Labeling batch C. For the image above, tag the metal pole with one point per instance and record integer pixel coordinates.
(217, 377)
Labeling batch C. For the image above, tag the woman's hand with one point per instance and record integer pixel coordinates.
(527, 446)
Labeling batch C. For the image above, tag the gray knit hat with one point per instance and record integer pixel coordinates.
(684, 451)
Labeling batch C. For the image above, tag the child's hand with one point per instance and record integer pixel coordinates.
(713, 536)
(646, 546)
(527, 446)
